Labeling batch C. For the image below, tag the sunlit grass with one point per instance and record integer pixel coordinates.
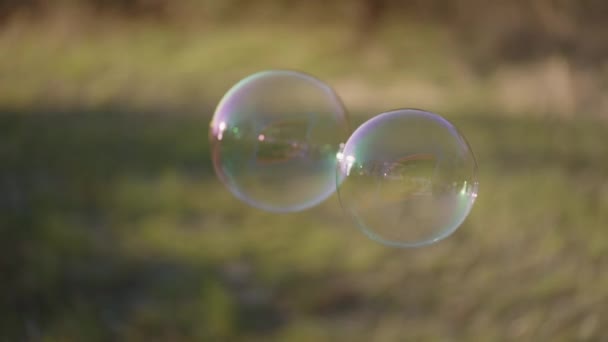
(147, 66)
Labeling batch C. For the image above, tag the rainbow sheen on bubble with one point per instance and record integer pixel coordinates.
(409, 178)
(274, 139)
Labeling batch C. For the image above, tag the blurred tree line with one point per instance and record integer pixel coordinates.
(500, 30)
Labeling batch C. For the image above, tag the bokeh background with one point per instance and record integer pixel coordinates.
(114, 226)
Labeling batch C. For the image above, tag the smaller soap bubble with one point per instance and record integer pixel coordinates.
(274, 139)
(409, 178)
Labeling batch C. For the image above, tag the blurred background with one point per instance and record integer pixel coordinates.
(114, 226)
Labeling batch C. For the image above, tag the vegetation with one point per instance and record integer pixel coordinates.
(114, 226)
(514, 30)
(541, 57)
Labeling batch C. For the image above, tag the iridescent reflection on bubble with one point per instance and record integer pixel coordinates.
(274, 139)
(409, 178)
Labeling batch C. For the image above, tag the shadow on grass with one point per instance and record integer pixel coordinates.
(72, 212)
(65, 270)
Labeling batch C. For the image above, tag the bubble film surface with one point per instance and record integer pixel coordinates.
(409, 178)
(274, 139)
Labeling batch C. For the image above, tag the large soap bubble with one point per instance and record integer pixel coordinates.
(409, 178)
(274, 139)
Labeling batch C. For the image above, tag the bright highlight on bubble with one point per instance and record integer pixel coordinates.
(409, 178)
(274, 139)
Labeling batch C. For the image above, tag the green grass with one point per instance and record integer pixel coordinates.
(85, 62)
(114, 227)
(143, 66)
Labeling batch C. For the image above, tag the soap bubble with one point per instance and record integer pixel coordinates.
(274, 139)
(409, 178)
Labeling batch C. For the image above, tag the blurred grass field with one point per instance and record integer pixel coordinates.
(115, 228)
(68, 64)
